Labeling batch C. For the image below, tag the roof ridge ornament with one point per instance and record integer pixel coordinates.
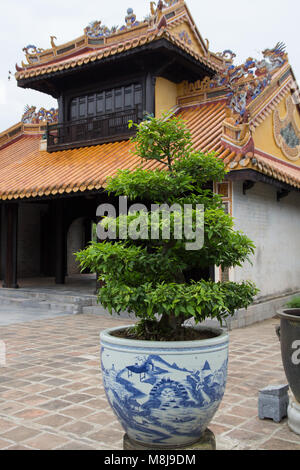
(53, 45)
(32, 49)
(247, 81)
(157, 14)
(31, 116)
(95, 30)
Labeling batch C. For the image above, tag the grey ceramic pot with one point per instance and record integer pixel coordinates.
(289, 333)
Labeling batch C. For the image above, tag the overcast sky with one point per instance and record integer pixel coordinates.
(246, 27)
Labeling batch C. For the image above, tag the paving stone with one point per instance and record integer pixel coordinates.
(103, 418)
(9, 408)
(78, 398)
(54, 393)
(54, 421)
(79, 428)
(56, 382)
(55, 405)
(75, 445)
(107, 435)
(18, 447)
(19, 434)
(267, 427)
(230, 419)
(51, 372)
(279, 444)
(76, 387)
(5, 425)
(77, 412)
(242, 411)
(47, 441)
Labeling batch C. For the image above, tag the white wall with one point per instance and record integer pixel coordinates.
(275, 229)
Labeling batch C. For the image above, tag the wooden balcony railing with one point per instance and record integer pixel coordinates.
(92, 131)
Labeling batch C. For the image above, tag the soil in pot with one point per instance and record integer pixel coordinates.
(180, 334)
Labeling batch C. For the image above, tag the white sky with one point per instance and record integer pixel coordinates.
(247, 27)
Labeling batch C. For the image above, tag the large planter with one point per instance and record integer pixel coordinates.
(290, 347)
(164, 393)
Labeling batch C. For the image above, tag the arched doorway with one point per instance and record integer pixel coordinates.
(78, 236)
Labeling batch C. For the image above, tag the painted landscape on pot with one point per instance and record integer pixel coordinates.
(154, 398)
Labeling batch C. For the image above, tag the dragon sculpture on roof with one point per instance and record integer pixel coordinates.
(247, 81)
(31, 116)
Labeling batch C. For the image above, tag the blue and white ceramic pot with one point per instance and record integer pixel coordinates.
(164, 393)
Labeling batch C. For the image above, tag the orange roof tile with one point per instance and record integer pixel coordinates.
(26, 171)
(278, 169)
(112, 49)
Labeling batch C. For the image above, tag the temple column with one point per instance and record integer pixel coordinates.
(87, 232)
(150, 93)
(60, 242)
(9, 244)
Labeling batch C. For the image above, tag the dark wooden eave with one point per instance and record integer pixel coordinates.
(161, 57)
(251, 176)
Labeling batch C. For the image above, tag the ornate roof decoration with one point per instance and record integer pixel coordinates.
(286, 132)
(243, 83)
(130, 19)
(96, 30)
(247, 81)
(31, 116)
(32, 50)
(228, 55)
(164, 16)
(184, 36)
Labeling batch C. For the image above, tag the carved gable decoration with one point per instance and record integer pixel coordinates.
(287, 132)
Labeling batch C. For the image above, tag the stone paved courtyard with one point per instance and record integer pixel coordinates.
(51, 394)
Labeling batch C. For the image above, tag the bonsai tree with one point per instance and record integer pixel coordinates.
(163, 279)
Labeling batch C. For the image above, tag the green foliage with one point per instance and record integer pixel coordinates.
(201, 167)
(294, 303)
(149, 185)
(162, 139)
(151, 277)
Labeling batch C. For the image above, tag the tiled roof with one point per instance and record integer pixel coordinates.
(99, 42)
(26, 171)
(113, 49)
(280, 170)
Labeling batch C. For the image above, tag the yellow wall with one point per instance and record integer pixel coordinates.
(165, 96)
(264, 134)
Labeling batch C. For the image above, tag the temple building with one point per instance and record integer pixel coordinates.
(54, 164)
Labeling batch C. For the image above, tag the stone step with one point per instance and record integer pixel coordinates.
(21, 302)
(74, 308)
(46, 300)
(99, 310)
(18, 301)
(10, 315)
(43, 306)
(49, 294)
